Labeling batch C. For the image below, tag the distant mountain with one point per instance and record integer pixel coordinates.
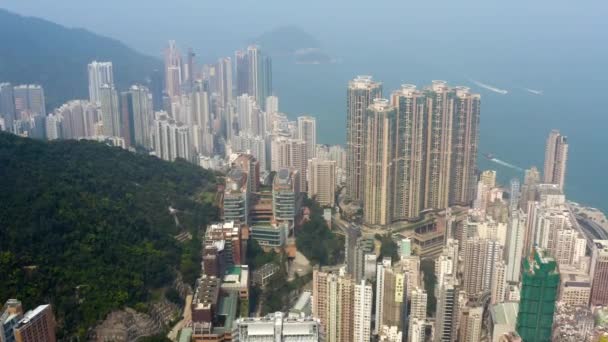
(286, 40)
(293, 42)
(38, 51)
(91, 228)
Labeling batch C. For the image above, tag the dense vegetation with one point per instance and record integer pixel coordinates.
(316, 241)
(87, 227)
(38, 51)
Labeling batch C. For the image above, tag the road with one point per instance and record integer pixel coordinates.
(186, 319)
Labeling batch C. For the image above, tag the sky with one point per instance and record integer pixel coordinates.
(219, 26)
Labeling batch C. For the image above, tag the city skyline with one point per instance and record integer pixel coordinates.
(401, 234)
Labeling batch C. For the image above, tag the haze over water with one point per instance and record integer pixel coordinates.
(558, 47)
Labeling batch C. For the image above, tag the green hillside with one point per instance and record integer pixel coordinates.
(38, 51)
(87, 227)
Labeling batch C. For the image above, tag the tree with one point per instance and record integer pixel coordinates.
(87, 227)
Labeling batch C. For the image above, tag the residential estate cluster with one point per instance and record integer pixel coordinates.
(474, 261)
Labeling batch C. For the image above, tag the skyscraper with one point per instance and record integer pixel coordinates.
(307, 132)
(173, 70)
(109, 111)
(556, 156)
(378, 157)
(254, 74)
(465, 139)
(322, 181)
(439, 115)
(599, 272)
(408, 152)
(361, 93)
(100, 73)
(540, 283)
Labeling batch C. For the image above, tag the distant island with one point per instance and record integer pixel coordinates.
(293, 42)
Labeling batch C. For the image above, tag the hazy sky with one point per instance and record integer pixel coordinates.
(221, 26)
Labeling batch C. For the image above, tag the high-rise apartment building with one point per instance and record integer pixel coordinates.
(514, 248)
(37, 325)
(322, 181)
(418, 303)
(79, 119)
(499, 283)
(488, 178)
(417, 330)
(224, 80)
(254, 74)
(447, 311)
(391, 296)
(470, 324)
(334, 303)
(7, 105)
(171, 139)
(100, 73)
(307, 132)
(428, 147)
(361, 93)
(11, 314)
(599, 272)
(290, 153)
(272, 104)
(377, 163)
(480, 258)
(465, 140)
(540, 283)
(110, 112)
(556, 157)
(408, 151)
(173, 70)
(362, 318)
(29, 101)
(136, 116)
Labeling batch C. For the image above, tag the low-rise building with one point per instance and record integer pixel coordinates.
(278, 327)
(236, 280)
(205, 300)
(264, 274)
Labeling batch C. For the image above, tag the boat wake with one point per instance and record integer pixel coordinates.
(533, 91)
(492, 158)
(490, 88)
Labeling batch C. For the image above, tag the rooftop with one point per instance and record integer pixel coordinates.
(505, 313)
